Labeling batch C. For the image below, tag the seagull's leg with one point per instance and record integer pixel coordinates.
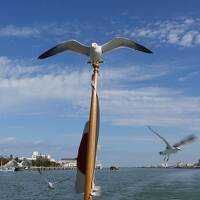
(164, 158)
(167, 157)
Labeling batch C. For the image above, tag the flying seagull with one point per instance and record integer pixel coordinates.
(51, 184)
(171, 149)
(94, 51)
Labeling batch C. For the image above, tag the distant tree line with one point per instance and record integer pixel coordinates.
(44, 162)
(39, 162)
(6, 159)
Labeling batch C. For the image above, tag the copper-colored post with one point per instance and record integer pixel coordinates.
(91, 154)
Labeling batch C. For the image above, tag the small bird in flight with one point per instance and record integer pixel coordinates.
(94, 51)
(176, 147)
(51, 185)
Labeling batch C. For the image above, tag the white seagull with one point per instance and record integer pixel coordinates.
(51, 184)
(96, 190)
(176, 147)
(94, 51)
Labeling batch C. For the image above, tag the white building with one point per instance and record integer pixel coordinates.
(68, 162)
(36, 155)
(72, 163)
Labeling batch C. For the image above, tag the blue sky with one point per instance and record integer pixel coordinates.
(45, 103)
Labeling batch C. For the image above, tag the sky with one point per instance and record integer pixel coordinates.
(44, 104)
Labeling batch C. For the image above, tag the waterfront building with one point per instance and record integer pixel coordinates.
(36, 155)
(68, 162)
(72, 163)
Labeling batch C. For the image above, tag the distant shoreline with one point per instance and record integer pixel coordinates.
(51, 168)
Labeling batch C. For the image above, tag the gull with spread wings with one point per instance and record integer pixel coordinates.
(94, 51)
(51, 185)
(171, 149)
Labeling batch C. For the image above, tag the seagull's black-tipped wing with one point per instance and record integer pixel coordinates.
(123, 42)
(45, 179)
(162, 138)
(71, 45)
(63, 180)
(188, 139)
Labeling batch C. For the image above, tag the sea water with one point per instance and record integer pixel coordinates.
(126, 183)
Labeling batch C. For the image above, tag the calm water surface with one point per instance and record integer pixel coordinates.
(127, 183)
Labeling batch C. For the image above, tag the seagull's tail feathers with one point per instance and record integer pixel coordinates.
(123, 42)
(71, 45)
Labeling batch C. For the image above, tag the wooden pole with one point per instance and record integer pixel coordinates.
(91, 145)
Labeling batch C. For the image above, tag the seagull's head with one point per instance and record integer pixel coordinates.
(94, 45)
(161, 153)
(50, 185)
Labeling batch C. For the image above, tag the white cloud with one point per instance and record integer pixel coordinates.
(17, 92)
(7, 140)
(15, 69)
(180, 31)
(188, 38)
(132, 73)
(120, 103)
(155, 106)
(12, 30)
(189, 76)
(24, 147)
(36, 83)
(21, 84)
(184, 32)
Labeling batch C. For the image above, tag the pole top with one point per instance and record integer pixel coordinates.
(96, 65)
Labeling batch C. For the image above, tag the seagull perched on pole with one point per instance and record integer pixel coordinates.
(176, 147)
(51, 184)
(94, 51)
(87, 150)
